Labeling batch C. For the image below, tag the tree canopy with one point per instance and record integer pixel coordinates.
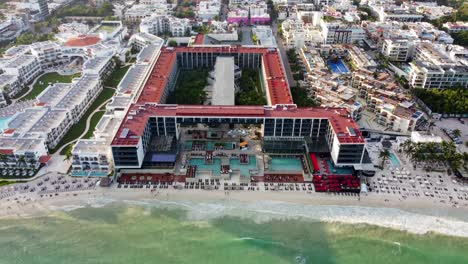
(445, 101)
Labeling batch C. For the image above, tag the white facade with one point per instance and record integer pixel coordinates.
(338, 33)
(140, 40)
(456, 27)
(48, 53)
(438, 66)
(9, 84)
(160, 24)
(27, 67)
(208, 9)
(398, 49)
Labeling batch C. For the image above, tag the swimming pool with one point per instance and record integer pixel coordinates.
(3, 122)
(337, 66)
(394, 160)
(244, 168)
(79, 173)
(285, 164)
(211, 145)
(335, 170)
(215, 168)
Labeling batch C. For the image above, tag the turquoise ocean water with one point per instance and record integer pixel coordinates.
(123, 233)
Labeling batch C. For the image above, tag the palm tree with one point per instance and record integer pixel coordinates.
(384, 154)
(456, 133)
(21, 160)
(68, 154)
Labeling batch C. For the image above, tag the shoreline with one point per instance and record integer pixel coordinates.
(417, 216)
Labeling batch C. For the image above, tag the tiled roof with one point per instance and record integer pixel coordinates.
(82, 41)
(137, 117)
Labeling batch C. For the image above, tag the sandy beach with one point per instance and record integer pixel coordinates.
(418, 215)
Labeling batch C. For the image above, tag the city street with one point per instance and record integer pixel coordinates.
(284, 57)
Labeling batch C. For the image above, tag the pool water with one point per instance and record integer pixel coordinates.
(79, 173)
(3, 122)
(285, 164)
(337, 66)
(244, 168)
(394, 160)
(215, 168)
(336, 170)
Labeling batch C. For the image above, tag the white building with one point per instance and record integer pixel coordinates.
(160, 24)
(360, 59)
(33, 150)
(11, 28)
(48, 53)
(140, 40)
(387, 10)
(208, 9)
(93, 157)
(398, 49)
(75, 97)
(296, 33)
(340, 33)
(438, 66)
(27, 67)
(9, 84)
(99, 65)
(456, 27)
(39, 122)
(264, 36)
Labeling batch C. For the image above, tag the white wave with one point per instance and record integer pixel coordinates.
(67, 208)
(264, 211)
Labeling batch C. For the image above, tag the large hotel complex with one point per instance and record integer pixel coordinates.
(193, 141)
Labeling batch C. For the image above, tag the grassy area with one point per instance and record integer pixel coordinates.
(250, 89)
(444, 101)
(189, 88)
(301, 98)
(77, 129)
(106, 28)
(116, 76)
(49, 78)
(94, 121)
(3, 183)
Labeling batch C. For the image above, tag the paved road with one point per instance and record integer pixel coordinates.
(284, 57)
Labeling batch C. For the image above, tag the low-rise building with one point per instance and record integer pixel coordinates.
(141, 40)
(9, 84)
(23, 152)
(208, 9)
(398, 49)
(438, 66)
(340, 33)
(26, 67)
(39, 122)
(48, 53)
(456, 26)
(389, 10)
(254, 13)
(360, 59)
(164, 24)
(99, 65)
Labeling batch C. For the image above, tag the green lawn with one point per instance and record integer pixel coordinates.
(94, 120)
(189, 88)
(77, 129)
(3, 183)
(47, 79)
(116, 76)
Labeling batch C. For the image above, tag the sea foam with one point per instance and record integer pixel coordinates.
(265, 211)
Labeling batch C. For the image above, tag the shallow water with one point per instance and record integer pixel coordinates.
(142, 233)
